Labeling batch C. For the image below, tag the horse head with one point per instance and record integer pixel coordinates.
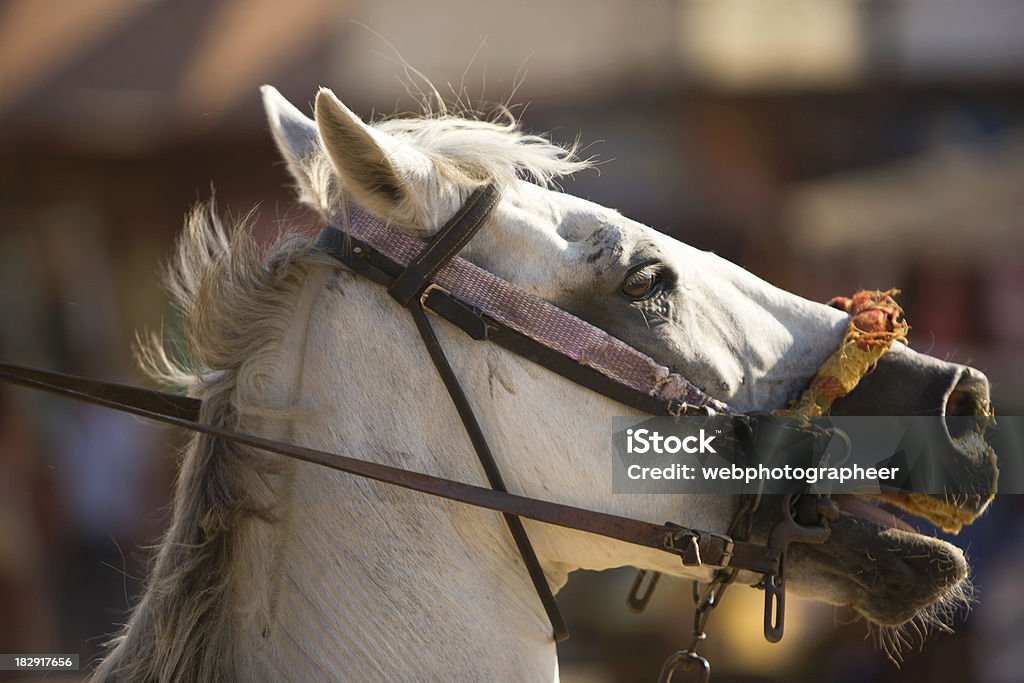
(337, 366)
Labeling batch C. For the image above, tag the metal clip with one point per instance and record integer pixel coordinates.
(775, 606)
(685, 658)
(844, 439)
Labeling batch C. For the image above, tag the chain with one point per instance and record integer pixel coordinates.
(706, 600)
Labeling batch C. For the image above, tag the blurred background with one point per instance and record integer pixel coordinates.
(825, 145)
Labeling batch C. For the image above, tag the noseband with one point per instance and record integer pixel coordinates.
(431, 277)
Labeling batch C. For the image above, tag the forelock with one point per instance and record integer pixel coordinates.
(465, 150)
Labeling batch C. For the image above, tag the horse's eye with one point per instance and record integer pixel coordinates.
(641, 283)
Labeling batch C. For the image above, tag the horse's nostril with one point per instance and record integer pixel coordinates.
(968, 399)
(962, 404)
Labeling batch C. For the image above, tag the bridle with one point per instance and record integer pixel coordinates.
(431, 277)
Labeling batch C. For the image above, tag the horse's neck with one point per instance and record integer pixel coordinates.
(375, 585)
(373, 582)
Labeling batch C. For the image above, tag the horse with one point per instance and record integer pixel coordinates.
(273, 569)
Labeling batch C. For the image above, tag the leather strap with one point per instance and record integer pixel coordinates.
(692, 546)
(563, 333)
(407, 288)
(476, 436)
(171, 405)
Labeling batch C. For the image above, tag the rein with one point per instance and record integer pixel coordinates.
(430, 277)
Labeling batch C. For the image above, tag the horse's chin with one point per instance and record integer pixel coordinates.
(882, 567)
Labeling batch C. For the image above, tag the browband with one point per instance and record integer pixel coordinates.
(488, 307)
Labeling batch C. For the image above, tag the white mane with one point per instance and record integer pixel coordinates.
(235, 303)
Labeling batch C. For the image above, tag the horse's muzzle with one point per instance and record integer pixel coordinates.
(907, 383)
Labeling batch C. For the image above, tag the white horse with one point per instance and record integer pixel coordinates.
(277, 570)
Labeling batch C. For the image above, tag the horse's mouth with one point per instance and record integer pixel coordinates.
(884, 565)
(883, 557)
(945, 512)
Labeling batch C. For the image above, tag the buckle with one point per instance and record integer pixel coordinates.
(728, 546)
(427, 291)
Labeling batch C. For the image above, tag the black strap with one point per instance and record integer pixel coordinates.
(407, 288)
(445, 245)
(107, 394)
(483, 451)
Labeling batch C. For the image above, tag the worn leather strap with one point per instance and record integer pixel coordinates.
(712, 549)
(560, 331)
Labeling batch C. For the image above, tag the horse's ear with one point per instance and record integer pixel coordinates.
(295, 134)
(383, 174)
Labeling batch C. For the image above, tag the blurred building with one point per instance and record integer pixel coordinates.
(827, 146)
